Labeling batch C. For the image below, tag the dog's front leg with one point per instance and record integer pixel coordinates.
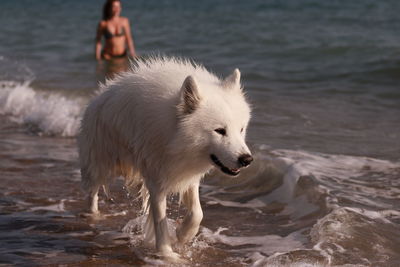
(158, 206)
(93, 200)
(190, 225)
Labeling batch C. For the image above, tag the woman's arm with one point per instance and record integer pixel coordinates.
(98, 41)
(129, 38)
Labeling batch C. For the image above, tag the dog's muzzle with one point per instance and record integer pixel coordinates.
(243, 161)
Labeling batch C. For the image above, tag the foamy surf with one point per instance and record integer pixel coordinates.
(352, 176)
(354, 219)
(267, 244)
(46, 112)
(335, 190)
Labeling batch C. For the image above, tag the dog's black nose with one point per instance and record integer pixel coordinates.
(245, 160)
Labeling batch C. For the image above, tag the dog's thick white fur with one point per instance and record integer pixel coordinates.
(165, 123)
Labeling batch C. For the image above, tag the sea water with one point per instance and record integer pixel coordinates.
(323, 78)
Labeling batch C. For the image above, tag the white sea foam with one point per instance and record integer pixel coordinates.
(258, 249)
(334, 177)
(57, 207)
(52, 113)
(249, 245)
(339, 166)
(267, 244)
(337, 173)
(260, 260)
(252, 204)
(347, 228)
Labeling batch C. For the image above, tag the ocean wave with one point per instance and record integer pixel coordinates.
(333, 199)
(357, 236)
(361, 180)
(283, 175)
(46, 113)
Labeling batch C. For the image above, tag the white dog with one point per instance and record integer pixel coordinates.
(165, 123)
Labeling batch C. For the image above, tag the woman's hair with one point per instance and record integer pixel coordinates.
(107, 9)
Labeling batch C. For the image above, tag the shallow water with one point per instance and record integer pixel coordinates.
(289, 207)
(323, 80)
(42, 210)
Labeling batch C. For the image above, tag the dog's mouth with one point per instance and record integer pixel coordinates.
(224, 169)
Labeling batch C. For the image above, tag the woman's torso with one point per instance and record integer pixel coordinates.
(114, 33)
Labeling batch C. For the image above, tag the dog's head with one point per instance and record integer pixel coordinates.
(213, 117)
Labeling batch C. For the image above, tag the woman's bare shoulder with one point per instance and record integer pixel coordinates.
(124, 20)
(102, 23)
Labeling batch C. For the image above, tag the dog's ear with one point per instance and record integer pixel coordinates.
(233, 80)
(190, 97)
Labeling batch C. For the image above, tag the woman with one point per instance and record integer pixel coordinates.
(116, 31)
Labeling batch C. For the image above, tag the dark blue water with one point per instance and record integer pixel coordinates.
(323, 78)
(341, 56)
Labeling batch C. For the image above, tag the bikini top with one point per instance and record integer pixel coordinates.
(109, 35)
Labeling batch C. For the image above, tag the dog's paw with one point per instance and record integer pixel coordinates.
(168, 255)
(174, 257)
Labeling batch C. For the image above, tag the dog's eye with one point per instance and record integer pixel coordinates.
(241, 130)
(221, 131)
